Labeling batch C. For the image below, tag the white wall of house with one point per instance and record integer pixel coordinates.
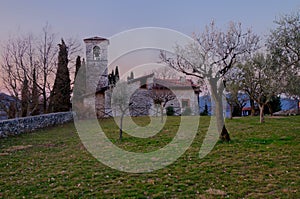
(185, 95)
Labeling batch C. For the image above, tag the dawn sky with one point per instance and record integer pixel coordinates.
(105, 18)
(82, 19)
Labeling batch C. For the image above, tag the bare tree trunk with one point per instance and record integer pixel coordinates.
(261, 113)
(231, 110)
(298, 106)
(161, 113)
(12, 110)
(252, 107)
(270, 109)
(44, 94)
(224, 135)
(121, 126)
(241, 110)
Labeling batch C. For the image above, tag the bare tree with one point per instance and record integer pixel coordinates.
(47, 60)
(17, 64)
(210, 57)
(74, 50)
(121, 101)
(235, 99)
(161, 96)
(266, 78)
(284, 46)
(292, 89)
(283, 41)
(34, 58)
(46, 63)
(245, 73)
(165, 73)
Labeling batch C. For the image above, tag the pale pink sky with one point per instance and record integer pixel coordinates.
(82, 19)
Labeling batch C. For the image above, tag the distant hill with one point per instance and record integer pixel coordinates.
(286, 104)
(4, 104)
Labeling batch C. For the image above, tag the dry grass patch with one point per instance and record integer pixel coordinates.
(217, 192)
(17, 148)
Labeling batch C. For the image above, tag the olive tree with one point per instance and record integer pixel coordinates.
(263, 78)
(284, 45)
(121, 102)
(161, 96)
(210, 57)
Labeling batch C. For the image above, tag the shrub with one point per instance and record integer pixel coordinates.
(170, 110)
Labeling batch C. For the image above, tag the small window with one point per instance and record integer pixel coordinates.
(96, 52)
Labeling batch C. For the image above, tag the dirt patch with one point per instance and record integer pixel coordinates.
(17, 148)
(47, 145)
(277, 117)
(216, 192)
(4, 154)
(51, 145)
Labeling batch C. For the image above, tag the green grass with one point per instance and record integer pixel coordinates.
(261, 161)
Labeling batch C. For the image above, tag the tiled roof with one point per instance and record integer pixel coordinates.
(95, 39)
(181, 83)
(177, 84)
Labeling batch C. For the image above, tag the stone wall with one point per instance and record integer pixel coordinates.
(28, 124)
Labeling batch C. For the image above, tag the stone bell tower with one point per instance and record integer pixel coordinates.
(96, 73)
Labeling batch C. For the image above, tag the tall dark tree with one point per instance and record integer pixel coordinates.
(80, 82)
(77, 65)
(117, 76)
(61, 93)
(111, 78)
(24, 98)
(34, 95)
(131, 76)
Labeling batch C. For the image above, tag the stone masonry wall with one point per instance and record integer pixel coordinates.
(27, 124)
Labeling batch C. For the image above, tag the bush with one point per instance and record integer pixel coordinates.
(170, 110)
(273, 106)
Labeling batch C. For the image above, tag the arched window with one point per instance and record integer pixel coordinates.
(96, 52)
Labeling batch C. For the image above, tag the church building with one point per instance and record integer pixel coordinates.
(98, 90)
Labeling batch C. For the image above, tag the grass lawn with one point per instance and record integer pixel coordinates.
(261, 161)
